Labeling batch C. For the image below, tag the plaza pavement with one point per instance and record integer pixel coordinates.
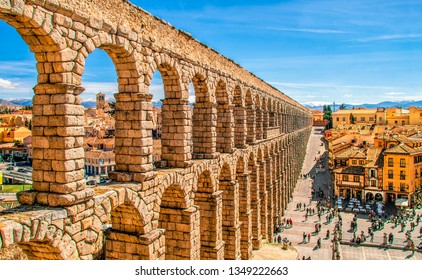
(302, 193)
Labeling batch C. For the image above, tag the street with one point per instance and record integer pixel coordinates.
(306, 225)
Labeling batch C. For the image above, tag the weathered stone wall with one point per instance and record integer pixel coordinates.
(215, 201)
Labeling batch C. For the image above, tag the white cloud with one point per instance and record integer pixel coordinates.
(347, 95)
(393, 93)
(390, 37)
(309, 30)
(7, 84)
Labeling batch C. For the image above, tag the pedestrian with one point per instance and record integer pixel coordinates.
(319, 242)
(291, 223)
(391, 238)
(309, 237)
(327, 236)
(304, 237)
(279, 239)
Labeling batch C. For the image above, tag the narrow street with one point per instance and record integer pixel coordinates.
(322, 181)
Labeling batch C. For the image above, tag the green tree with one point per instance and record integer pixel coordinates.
(342, 107)
(328, 115)
(352, 118)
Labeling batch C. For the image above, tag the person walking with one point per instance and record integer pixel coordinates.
(319, 242)
(327, 235)
(304, 237)
(309, 237)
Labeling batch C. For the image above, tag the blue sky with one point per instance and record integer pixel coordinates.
(315, 51)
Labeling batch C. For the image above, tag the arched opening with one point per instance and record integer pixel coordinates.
(18, 76)
(231, 230)
(204, 119)
(175, 120)
(100, 84)
(254, 171)
(224, 130)
(210, 207)
(123, 239)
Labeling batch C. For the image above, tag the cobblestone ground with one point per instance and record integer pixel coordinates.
(322, 180)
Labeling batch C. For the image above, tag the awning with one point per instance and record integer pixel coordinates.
(402, 202)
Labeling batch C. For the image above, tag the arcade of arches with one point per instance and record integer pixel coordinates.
(228, 167)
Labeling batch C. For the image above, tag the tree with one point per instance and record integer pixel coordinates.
(342, 107)
(352, 118)
(328, 116)
(112, 105)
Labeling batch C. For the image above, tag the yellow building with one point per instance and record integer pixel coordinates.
(360, 116)
(10, 135)
(397, 116)
(402, 171)
(415, 116)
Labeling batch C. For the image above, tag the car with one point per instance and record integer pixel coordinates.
(10, 168)
(22, 170)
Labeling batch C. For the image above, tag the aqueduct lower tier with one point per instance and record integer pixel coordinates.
(228, 166)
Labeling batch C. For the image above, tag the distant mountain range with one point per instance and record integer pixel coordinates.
(386, 104)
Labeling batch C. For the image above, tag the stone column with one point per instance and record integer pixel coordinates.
(256, 208)
(264, 199)
(240, 129)
(182, 233)
(210, 207)
(225, 128)
(231, 225)
(176, 135)
(245, 215)
(204, 135)
(270, 187)
(259, 125)
(265, 124)
(58, 153)
(133, 137)
(251, 124)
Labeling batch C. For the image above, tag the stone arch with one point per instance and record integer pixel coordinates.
(55, 92)
(40, 240)
(210, 208)
(176, 115)
(224, 129)
(203, 119)
(240, 129)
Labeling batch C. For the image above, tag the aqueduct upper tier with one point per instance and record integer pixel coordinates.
(228, 166)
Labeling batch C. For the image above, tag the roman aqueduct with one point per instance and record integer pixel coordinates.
(228, 168)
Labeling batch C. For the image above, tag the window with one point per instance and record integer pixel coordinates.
(402, 187)
(373, 183)
(402, 162)
(356, 178)
(344, 119)
(354, 162)
(362, 119)
(372, 173)
(371, 119)
(345, 178)
(390, 162)
(402, 175)
(338, 119)
(390, 174)
(361, 162)
(390, 186)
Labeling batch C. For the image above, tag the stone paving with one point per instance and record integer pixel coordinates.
(322, 180)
